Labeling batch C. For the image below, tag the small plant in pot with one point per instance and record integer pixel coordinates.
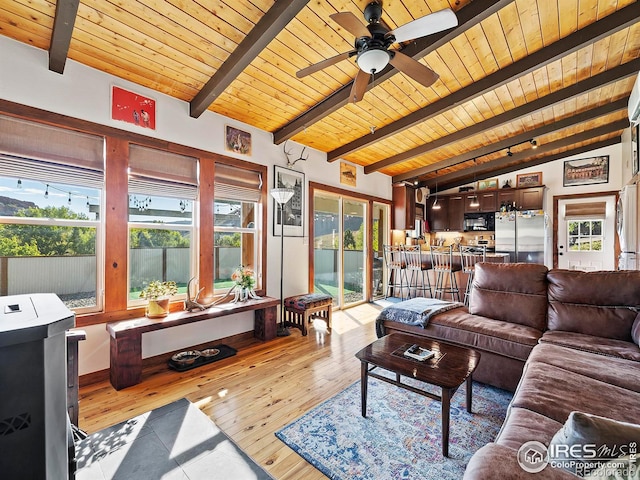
(157, 294)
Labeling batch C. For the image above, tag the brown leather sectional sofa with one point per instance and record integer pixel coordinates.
(563, 340)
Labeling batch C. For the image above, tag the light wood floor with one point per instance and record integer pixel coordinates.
(253, 394)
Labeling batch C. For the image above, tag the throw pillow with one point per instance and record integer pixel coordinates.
(586, 442)
(635, 330)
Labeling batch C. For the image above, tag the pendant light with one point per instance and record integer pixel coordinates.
(474, 198)
(436, 205)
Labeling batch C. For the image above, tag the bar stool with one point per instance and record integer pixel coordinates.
(442, 261)
(396, 270)
(470, 256)
(418, 263)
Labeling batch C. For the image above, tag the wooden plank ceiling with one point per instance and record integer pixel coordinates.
(555, 71)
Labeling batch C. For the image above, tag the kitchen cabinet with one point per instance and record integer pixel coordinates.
(486, 202)
(438, 218)
(404, 207)
(506, 197)
(530, 198)
(456, 212)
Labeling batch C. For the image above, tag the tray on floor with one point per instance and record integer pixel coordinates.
(223, 351)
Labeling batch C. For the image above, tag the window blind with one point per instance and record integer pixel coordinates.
(587, 209)
(48, 172)
(233, 183)
(22, 138)
(162, 173)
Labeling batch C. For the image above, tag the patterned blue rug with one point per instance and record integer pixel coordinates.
(401, 436)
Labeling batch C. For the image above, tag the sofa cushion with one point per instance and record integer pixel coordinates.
(603, 304)
(555, 392)
(635, 330)
(593, 344)
(522, 425)
(604, 368)
(511, 292)
(494, 461)
(508, 339)
(609, 438)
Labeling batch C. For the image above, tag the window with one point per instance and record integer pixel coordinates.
(237, 221)
(585, 235)
(50, 204)
(162, 193)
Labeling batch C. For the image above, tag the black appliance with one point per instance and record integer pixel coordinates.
(34, 425)
(479, 222)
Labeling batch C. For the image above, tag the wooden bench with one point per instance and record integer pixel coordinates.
(126, 336)
(300, 309)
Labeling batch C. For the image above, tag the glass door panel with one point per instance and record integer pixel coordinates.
(380, 237)
(354, 249)
(326, 245)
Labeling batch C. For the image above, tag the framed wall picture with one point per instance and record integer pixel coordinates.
(488, 184)
(293, 211)
(347, 174)
(529, 179)
(635, 149)
(586, 171)
(237, 141)
(133, 108)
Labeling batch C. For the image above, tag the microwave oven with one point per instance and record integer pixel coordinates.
(479, 222)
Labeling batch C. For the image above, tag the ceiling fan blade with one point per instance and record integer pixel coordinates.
(416, 70)
(324, 64)
(350, 23)
(432, 23)
(359, 86)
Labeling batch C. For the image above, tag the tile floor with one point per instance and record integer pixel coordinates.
(176, 441)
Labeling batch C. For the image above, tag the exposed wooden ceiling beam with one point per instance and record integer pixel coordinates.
(518, 160)
(63, 23)
(538, 161)
(609, 25)
(577, 119)
(585, 86)
(270, 25)
(468, 17)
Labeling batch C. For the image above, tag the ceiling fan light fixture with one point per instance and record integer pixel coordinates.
(372, 61)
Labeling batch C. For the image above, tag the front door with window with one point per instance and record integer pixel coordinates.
(586, 231)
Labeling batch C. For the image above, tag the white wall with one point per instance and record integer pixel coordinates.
(84, 93)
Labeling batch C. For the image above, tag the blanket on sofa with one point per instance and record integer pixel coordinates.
(416, 311)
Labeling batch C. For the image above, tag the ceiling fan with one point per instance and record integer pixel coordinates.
(373, 41)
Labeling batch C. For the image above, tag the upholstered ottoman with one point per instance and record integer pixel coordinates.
(300, 309)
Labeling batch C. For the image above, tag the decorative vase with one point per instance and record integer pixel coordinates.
(242, 294)
(158, 308)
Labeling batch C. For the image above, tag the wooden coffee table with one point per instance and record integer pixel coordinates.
(447, 369)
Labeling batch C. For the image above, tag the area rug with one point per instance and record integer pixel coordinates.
(176, 441)
(401, 436)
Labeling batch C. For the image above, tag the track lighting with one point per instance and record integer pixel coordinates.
(19, 183)
(533, 143)
(69, 200)
(509, 152)
(46, 192)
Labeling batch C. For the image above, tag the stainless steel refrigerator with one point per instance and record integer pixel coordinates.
(521, 234)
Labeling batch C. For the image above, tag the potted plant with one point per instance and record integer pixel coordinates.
(244, 279)
(157, 294)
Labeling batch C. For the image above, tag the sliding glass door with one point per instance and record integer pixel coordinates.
(354, 251)
(340, 248)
